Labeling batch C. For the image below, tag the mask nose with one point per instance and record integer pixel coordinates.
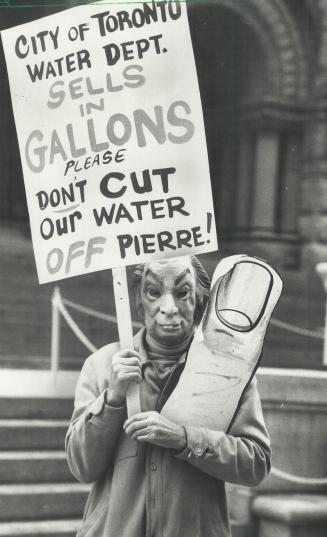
(242, 295)
(168, 306)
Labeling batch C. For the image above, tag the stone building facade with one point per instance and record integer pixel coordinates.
(266, 117)
(262, 68)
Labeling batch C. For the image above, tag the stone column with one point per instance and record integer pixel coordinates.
(244, 188)
(226, 201)
(313, 219)
(265, 181)
(289, 185)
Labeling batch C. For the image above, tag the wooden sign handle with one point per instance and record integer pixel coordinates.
(124, 321)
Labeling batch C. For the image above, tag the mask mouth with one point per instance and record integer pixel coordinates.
(242, 295)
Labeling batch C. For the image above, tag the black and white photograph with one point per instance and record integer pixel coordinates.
(163, 206)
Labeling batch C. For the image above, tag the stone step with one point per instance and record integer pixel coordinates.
(40, 528)
(20, 435)
(291, 515)
(34, 467)
(237, 530)
(36, 407)
(42, 501)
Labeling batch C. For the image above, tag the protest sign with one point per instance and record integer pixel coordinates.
(111, 136)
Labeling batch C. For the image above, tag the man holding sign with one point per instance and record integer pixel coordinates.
(113, 151)
(153, 477)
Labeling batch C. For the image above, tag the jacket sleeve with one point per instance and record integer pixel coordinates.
(95, 427)
(243, 455)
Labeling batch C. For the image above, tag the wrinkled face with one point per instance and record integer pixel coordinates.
(168, 299)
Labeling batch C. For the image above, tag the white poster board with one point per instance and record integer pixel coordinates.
(111, 136)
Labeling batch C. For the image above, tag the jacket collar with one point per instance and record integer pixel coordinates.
(139, 345)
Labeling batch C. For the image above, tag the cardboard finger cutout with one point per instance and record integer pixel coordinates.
(243, 295)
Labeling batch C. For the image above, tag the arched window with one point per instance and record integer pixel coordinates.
(254, 111)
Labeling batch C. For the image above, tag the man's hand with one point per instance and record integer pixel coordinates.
(154, 428)
(125, 368)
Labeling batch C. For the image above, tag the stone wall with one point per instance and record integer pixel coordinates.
(295, 411)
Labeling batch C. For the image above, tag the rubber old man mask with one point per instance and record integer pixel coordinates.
(243, 295)
(167, 300)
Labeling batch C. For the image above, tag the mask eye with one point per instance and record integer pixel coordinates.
(153, 293)
(182, 294)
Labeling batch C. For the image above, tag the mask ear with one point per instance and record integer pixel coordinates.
(137, 285)
(202, 289)
(139, 305)
(200, 301)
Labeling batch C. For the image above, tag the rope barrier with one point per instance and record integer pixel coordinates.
(112, 319)
(73, 325)
(98, 314)
(60, 303)
(296, 329)
(300, 480)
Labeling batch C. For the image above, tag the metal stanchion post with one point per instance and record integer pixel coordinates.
(321, 269)
(55, 335)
